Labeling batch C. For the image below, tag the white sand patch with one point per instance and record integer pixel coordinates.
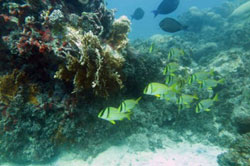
(181, 154)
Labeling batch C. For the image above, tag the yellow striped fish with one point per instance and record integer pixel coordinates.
(112, 114)
(128, 104)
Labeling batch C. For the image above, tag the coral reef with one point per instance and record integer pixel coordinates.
(200, 20)
(25, 132)
(95, 66)
(47, 39)
(58, 59)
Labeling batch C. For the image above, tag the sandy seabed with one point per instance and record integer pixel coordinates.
(181, 154)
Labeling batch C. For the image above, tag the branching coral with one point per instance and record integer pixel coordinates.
(92, 64)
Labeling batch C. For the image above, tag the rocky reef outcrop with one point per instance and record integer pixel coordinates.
(57, 57)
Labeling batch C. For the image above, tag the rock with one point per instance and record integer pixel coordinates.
(205, 50)
(239, 153)
(197, 19)
(241, 114)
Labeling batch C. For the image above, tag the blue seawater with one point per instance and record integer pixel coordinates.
(148, 26)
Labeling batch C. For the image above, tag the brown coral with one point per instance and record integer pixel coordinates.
(92, 64)
(10, 85)
(33, 91)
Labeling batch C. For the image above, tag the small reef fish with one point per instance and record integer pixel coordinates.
(128, 104)
(200, 76)
(185, 99)
(171, 25)
(204, 105)
(175, 81)
(171, 79)
(210, 83)
(169, 96)
(171, 68)
(175, 53)
(181, 82)
(166, 7)
(156, 88)
(138, 14)
(112, 114)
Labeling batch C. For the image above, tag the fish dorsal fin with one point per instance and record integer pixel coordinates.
(128, 115)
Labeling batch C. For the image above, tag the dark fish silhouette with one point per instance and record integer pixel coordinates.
(138, 14)
(166, 7)
(171, 25)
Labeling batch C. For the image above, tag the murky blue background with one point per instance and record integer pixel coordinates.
(149, 25)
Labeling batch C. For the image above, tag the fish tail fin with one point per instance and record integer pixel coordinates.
(155, 13)
(129, 111)
(216, 97)
(221, 81)
(185, 27)
(211, 72)
(175, 88)
(128, 115)
(196, 96)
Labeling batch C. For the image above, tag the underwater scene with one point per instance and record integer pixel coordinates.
(124, 83)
